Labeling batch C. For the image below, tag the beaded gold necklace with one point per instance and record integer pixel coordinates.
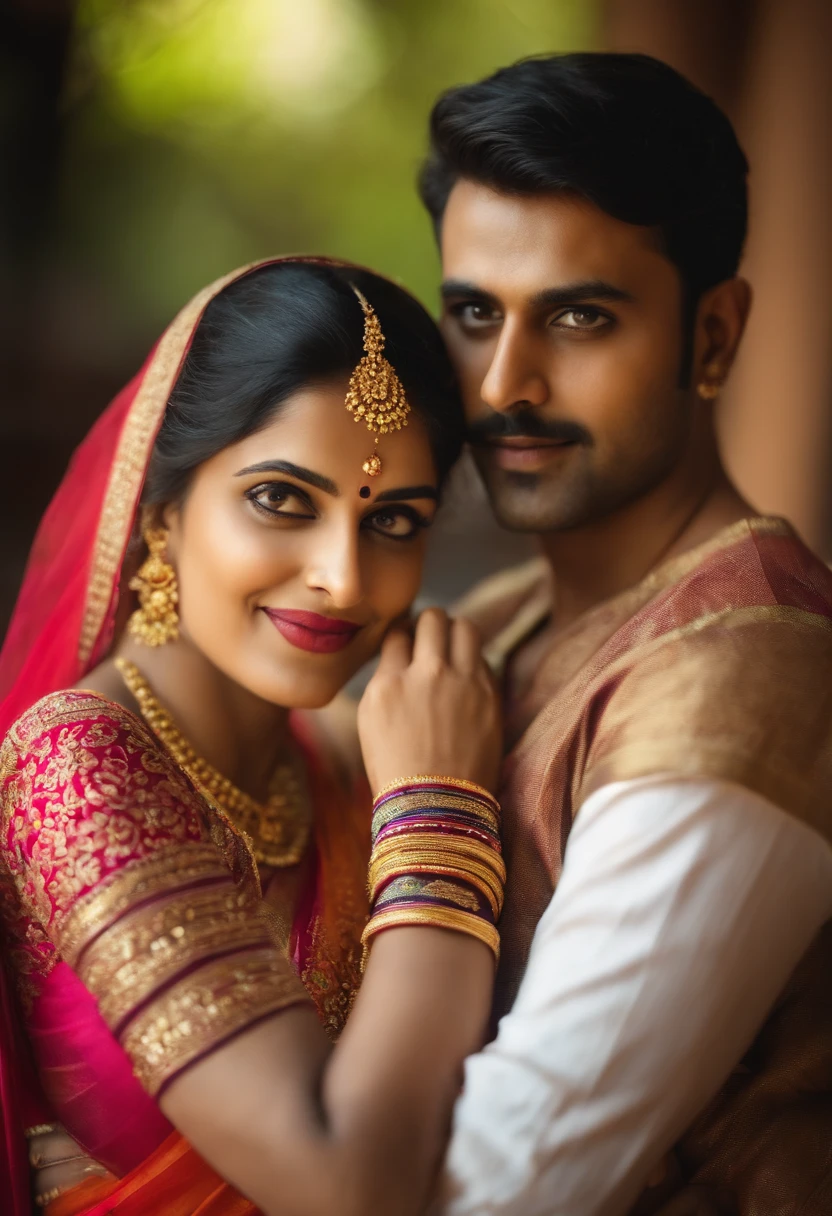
(278, 829)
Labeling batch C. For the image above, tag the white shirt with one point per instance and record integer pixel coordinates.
(682, 909)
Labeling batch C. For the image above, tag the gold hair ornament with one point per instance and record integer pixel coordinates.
(155, 621)
(375, 395)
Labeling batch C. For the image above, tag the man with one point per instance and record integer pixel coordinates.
(666, 664)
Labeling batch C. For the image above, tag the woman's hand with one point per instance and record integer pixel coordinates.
(431, 707)
(58, 1164)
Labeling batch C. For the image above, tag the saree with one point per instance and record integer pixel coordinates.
(134, 930)
(716, 666)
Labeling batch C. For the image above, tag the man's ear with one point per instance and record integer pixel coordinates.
(721, 317)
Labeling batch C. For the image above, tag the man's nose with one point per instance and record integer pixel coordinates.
(335, 566)
(517, 373)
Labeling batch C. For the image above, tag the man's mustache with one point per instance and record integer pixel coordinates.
(526, 424)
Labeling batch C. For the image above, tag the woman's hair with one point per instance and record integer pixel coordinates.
(626, 132)
(278, 330)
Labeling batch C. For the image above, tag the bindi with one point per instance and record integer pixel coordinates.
(364, 492)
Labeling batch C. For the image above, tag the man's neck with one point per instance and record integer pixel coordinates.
(594, 563)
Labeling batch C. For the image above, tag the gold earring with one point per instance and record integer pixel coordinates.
(708, 390)
(155, 621)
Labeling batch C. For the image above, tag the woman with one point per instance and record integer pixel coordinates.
(154, 780)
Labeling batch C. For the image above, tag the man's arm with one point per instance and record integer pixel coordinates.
(682, 909)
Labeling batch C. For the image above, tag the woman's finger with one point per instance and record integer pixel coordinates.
(396, 651)
(47, 1148)
(465, 646)
(432, 637)
(63, 1177)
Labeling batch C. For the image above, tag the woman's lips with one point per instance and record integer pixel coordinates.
(310, 631)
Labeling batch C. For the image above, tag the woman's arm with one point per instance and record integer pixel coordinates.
(300, 1128)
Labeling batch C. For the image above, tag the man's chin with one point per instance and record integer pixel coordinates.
(531, 502)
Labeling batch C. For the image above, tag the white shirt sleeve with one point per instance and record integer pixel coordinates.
(682, 909)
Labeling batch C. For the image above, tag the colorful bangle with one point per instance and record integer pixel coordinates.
(435, 888)
(458, 783)
(436, 858)
(495, 902)
(397, 806)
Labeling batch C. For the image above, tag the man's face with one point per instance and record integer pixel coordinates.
(565, 326)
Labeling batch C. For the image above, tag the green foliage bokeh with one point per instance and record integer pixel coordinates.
(202, 134)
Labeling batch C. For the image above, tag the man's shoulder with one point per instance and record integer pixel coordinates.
(507, 607)
(495, 600)
(761, 562)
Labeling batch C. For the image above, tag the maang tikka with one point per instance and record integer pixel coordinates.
(375, 395)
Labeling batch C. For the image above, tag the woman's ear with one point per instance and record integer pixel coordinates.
(169, 517)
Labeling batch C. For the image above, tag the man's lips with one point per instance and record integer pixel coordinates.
(310, 631)
(526, 452)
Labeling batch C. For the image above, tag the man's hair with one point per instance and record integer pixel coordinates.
(626, 132)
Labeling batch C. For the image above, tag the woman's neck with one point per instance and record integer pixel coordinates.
(237, 732)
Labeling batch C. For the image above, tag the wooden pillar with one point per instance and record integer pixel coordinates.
(767, 64)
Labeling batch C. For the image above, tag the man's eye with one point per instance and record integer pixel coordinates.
(277, 499)
(475, 315)
(581, 318)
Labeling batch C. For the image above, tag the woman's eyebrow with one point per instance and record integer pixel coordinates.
(407, 492)
(294, 470)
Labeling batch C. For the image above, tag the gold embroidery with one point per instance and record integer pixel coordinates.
(138, 880)
(149, 947)
(89, 800)
(200, 1012)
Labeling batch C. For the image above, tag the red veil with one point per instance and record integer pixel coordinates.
(66, 615)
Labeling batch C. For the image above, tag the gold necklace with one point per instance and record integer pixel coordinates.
(278, 829)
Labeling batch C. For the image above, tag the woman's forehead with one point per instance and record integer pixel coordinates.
(313, 429)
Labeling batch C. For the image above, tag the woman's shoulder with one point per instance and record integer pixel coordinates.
(70, 707)
(77, 749)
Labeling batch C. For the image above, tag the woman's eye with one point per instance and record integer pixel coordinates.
(400, 525)
(277, 499)
(581, 318)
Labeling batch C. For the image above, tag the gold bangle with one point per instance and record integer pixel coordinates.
(422, 779)
(492, 892)
(407, 853)
(403, 858)
(457, 846)
(435, 918)
(495, 900)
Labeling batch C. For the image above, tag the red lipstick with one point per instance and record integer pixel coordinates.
(310, 631)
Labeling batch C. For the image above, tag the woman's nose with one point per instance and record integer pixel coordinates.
(335, 567)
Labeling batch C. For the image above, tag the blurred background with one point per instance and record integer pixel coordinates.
(150, 145)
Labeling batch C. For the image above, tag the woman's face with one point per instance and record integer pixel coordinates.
(288, 577)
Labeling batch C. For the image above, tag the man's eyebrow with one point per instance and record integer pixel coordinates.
(294, 470)
(407, 492)
(459, 289)
(551, 297)
(580, 293)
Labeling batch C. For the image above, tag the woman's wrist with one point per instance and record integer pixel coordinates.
(436, 858)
